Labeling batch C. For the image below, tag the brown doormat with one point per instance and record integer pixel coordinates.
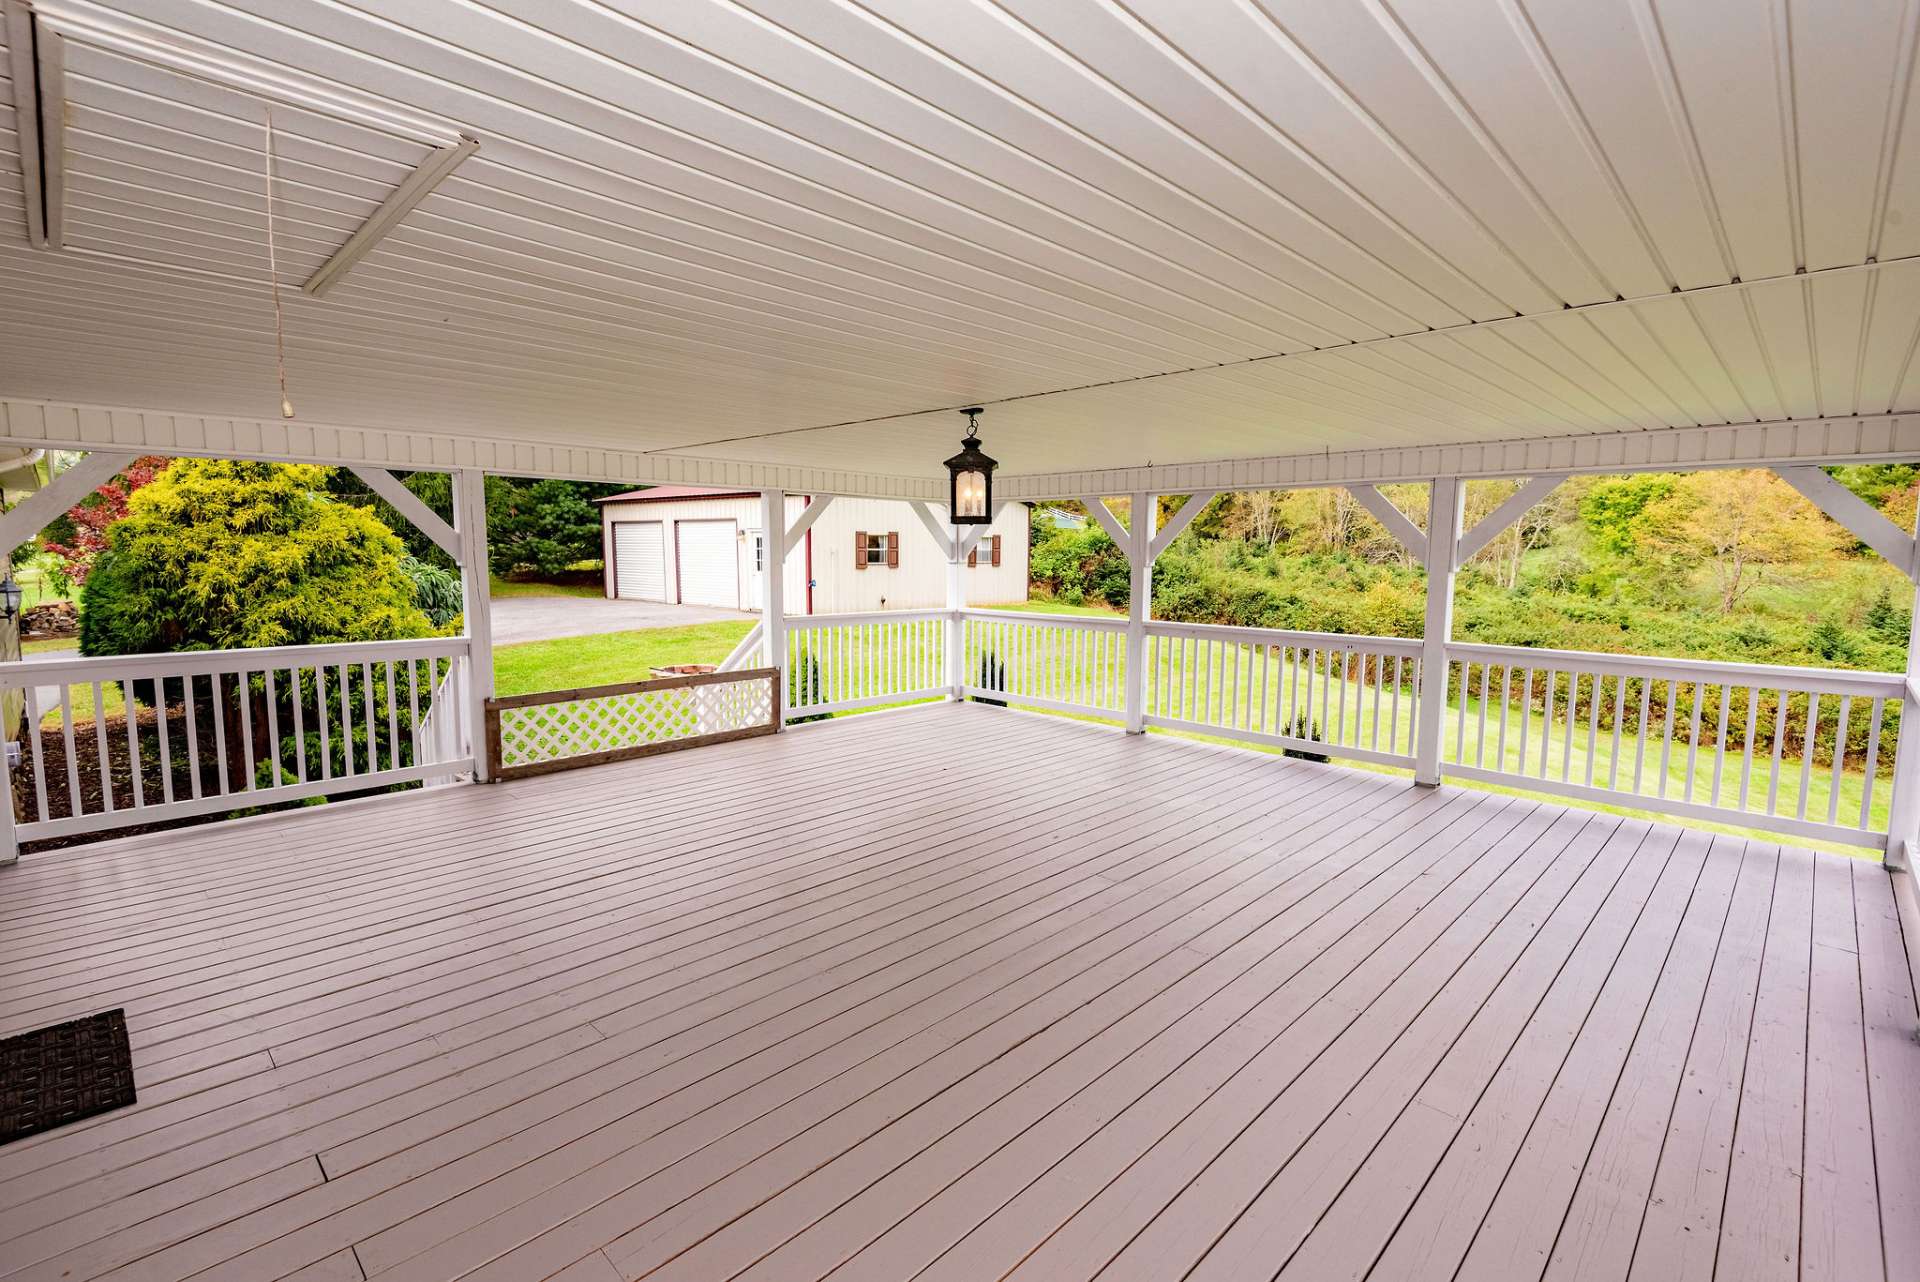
(61, 1074)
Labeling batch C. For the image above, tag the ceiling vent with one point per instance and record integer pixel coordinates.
(151, 151)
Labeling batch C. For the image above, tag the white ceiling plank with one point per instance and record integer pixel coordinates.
(1152, 236)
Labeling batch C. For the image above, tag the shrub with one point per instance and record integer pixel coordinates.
(435, 590)
(218, 555)
(1304, 727)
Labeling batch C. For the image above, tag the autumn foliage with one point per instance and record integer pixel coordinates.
(78, 546)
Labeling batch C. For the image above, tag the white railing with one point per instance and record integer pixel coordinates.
(1067, 663)
(1310, 692)
(840, 662)
(112, 742)
(1803, 751)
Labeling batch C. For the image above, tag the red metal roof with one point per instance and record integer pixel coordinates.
(656, 493)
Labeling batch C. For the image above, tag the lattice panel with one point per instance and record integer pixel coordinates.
(548, 732)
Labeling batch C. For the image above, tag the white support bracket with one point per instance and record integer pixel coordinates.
(1516, 505)
(408, 504)
(32, 513)
(1396, 521)
(1177, 523)
(804, 522)
(971, 539)
(1097, 508)
(1852, 511)
(941, 532)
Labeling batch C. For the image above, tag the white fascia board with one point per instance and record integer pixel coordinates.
(1872, 438)
(68, 426)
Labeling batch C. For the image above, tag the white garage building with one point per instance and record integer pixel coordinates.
(700, 546)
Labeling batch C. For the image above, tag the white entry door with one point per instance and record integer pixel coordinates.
(640, 560)
(709, 556)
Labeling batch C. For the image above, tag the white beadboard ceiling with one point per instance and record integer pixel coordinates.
(1150, 232)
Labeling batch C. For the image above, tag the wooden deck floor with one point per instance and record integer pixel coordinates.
(962, 994)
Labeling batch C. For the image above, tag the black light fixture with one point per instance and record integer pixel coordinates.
(971, 499)
(10, 598)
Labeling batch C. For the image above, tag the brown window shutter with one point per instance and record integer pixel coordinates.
(893, 549)
(859, 549)
(996, 549)
(973, 556)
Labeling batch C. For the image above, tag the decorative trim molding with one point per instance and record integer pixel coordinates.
(59, 425)
(1875, 438)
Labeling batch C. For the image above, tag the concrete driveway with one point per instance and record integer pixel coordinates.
(541, 618)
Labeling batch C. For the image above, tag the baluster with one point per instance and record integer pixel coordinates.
(1666, 736)
(166, 748)
(1506, 702)
(34, 715)
(393, 719)
(1566, 734)
(1779, 741)
(1806, 751)
(1872, 765)
(1720, 744)
(273, 726)
(218, 681)
(1526, 715)
(346, 718)
(1460, 718)
(1480, 733)
(1593, 723)
(1339, 735)
(1640, 737)
(1693, 738)
(104, 763)
(1326, 692)
(66, 735)
(1546, 723)
(300, 722)
(1746, 751)
(1839, 757)
(1619, 711)
(193, 736)
(133, 743)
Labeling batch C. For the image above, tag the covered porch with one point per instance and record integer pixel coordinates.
(882, 998)
(1116, 947)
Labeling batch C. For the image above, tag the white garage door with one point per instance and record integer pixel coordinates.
(639, 560)
(709, 563)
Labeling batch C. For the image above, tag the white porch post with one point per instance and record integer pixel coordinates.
(470, 523)
(1444, 511)
(1903, 803)
(956, 625)
(1146, 514)
(773, 583)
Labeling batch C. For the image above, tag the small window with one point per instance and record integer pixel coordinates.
(875, 549)
(758, 540)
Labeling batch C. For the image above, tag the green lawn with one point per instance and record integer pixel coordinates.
(571, 662)
(499, 587)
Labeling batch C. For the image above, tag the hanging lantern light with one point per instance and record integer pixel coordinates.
(10, 598)
(971, 499)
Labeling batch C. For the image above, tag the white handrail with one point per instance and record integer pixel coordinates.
(1717, 671)
(114, 741)
(21, 672)
(1411, 648)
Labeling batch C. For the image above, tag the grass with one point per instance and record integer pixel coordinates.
(570, 662)
(498, 587)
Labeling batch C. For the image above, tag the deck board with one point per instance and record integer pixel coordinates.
(956, 993)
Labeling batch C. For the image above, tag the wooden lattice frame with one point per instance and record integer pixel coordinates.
(600, 715)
